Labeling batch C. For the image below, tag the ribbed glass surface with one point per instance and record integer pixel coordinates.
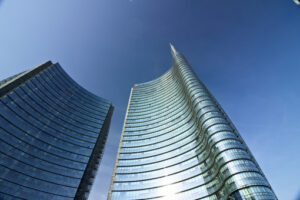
(178, 144)
(4, 81)
(49, 127)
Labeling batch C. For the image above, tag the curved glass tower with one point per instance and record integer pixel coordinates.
(52, 135)
(178, 144)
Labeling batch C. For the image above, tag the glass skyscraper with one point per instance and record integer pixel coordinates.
(52, 135)
(177, 143)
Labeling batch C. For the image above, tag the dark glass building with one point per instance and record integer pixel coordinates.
(177, 143)
(52, 135)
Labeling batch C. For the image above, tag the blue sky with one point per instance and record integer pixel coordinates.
(246, 52)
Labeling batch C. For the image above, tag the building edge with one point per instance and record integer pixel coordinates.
(91, 169)
(119, 149)
(22, 78)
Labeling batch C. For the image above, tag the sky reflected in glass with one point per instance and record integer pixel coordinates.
(245, 52)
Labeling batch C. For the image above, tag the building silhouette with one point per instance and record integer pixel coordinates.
(177, 143)
(52, 135)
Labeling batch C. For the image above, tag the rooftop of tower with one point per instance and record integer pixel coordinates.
(173, 52)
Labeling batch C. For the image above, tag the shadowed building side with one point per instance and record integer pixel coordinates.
(178, 143)
(52, 135)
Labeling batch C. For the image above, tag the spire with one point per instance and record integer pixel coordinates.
(173, 50)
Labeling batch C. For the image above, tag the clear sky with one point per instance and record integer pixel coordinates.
(247, 52)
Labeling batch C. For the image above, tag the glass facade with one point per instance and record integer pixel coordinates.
(52, 135)
(177, 143)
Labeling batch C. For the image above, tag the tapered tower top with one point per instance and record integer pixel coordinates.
(173, 50)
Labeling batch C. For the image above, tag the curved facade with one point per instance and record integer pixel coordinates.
(178, 144)
(52, 135)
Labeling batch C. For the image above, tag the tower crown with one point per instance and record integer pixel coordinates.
(173, 50)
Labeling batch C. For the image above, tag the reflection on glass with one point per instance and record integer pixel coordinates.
(179, 144)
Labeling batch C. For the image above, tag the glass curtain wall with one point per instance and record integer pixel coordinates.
(52, 135)
(177, 143)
